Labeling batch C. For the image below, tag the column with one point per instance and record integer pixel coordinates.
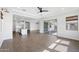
(41, 26)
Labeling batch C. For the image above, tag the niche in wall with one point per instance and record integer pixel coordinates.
(72, 23)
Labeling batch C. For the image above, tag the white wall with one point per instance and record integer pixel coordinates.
(33, 25)
(7, 26)
(1, 33)
(14, 25)
(61, 21)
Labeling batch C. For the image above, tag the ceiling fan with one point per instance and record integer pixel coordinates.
(41, 10)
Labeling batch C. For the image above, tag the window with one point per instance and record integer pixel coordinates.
(72, 23)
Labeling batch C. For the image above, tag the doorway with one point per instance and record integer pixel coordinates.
(27, 25)
(45, 27)
(50, 27)
(53, 26)
(21, 25)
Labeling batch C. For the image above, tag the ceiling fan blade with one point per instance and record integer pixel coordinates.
(40, 9)
(44, 10)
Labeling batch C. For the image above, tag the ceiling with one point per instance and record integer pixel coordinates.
(33, 12)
